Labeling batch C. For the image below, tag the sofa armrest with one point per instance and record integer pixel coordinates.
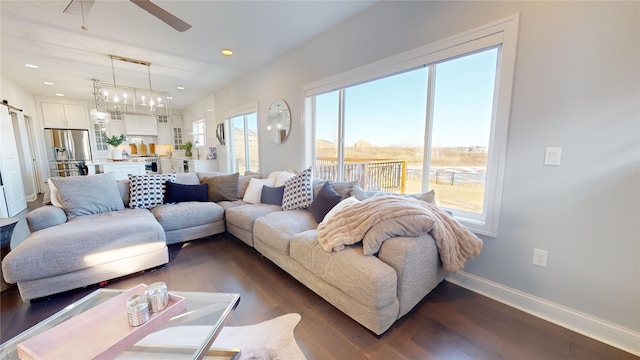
(417, 263)
(44, 217)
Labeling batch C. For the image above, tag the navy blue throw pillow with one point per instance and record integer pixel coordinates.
(326, 199)
(176, 193)
(272, 195)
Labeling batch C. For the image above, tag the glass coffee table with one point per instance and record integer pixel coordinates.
(188, 335)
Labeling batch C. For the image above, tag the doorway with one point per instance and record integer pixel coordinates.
(25, 142)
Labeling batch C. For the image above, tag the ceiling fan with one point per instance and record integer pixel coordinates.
(83, 7)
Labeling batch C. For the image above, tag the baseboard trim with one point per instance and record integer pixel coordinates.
(598, 329)
(32, 197)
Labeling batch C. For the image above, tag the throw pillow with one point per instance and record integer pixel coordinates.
(55, 196)
(326, 199)
(147, 191)
(272, 195)
(223, 187)
(341, 205)
(187, 179)
(282, 177)
(298, 191)
(360, 194)
(243, 184)
(254, 191)
(85, 195)
(343, 188)
(182, 193)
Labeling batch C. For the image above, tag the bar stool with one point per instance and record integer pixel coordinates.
(6, 230)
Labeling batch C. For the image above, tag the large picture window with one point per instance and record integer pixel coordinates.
(433, 118)
(242, 146)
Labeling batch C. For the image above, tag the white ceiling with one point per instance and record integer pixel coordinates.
(39, 33)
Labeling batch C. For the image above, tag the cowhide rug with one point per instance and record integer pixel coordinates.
(269, 340)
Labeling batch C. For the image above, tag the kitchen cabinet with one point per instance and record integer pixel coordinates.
(65, 116)
(164, 134)
(177, 137)
(116, 127)
(141, 124)
(202, 165)
(171, 165)
(120, 169)
(181, 165)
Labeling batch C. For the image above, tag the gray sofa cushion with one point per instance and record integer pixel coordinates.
(85, 195)
(187, 214)
(277, 228)
(365, 278)
(243, 216)
(84, 242)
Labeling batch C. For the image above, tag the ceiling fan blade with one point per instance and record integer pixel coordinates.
(75, 7)
(163, 15)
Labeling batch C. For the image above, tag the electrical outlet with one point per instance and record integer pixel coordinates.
(540, 257)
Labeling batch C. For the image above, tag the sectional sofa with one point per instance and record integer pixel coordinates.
(93, 235)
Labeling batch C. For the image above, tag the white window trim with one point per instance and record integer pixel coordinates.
(239, 111)
(504, 32)
(195, 134)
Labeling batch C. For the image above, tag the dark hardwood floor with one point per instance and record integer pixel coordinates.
(450, 323)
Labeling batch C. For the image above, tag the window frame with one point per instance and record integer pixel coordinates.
(228, 115)
(502, 33)
(195, 134)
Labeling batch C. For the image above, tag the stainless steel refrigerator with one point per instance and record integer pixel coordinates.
(67, 151)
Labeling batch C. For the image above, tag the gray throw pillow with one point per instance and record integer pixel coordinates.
(272, 195)
(86, 195)
(223, 187)
(343, 188)
(324, 201)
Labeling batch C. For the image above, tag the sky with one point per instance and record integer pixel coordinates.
(392, 111)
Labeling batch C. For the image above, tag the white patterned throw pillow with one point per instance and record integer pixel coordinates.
(147, 191)
(298, 191)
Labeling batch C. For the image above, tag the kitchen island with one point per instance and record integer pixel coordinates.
(121, 169)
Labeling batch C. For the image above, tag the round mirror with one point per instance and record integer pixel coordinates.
(279, 121)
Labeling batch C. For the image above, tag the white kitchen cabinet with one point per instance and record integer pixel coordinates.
(141, 124)
(164, 134)
(176, 120)
(65, 116)
(202, 165)
(171, 165)
(165, 165)
(116, 127)
(177, 137)
(120, 169)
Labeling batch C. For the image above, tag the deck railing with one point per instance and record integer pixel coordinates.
(371, 174)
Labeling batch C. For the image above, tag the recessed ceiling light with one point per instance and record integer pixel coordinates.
(227, 52)
(59, 94)
(31, 66)
(209, 110)
(169, 97)
(180, 87)
(48, 83)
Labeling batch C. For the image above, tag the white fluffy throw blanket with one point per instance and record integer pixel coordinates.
(379, 218)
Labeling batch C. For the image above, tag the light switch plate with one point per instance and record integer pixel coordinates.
(552, 156)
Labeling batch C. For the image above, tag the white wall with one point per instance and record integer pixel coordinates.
(576, 87)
